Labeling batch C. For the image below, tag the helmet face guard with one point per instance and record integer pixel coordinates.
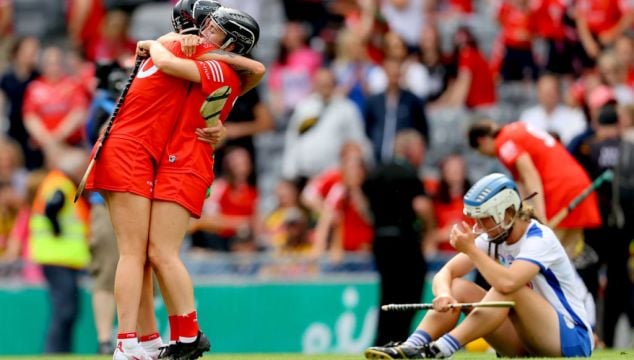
(491, 197)
(241, 29)
(183, 17)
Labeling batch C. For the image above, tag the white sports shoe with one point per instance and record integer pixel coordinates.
(137, 353)
(153, 348)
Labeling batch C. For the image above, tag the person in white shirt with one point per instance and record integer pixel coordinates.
(551, 115)
(523, 262)
(319, 126)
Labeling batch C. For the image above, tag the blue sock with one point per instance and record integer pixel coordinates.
(417, 339)
(447, 345)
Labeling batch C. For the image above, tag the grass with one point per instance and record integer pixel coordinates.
(600, 354)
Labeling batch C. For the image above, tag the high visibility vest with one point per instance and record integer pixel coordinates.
(70, 248)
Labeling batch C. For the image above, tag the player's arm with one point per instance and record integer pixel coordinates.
(457, 267)
(532, 182)
(167, 62)
(250, 71)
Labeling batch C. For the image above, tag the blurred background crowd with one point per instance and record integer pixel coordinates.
(350, 84)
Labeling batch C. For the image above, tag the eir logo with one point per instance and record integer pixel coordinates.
(143, 72)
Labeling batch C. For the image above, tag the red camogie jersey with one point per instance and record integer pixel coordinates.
(548, 16)
(53, 101)
(482, 89)
(153, 105)
(561, 175)
(602, 15)
(517, 27)
(185, 153)
(357, 234)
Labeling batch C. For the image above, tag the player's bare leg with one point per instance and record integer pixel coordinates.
(167, 230)
(130, 216)
(149, 336)
(532, 319)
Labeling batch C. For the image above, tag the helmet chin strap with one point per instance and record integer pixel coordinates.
(504, 235)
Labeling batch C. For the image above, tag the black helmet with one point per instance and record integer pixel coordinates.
(202, 9)
(183, 17)
(241, 29)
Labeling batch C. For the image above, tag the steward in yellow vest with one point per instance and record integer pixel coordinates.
(58, 227)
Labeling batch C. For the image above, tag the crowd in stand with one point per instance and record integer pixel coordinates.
(345, 79)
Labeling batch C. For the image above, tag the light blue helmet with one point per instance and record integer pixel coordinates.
(491, 196)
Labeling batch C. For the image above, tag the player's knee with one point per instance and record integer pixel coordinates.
(159, 255)
(466, 291)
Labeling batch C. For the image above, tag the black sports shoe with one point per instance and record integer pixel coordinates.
(393, 350)
(167, 351)
(189, 351)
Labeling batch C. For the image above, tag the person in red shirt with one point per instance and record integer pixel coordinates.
(345, 214)
(85, 19)
(541, 165)
(54, 105)
(518, 26)
(139, 186)
(551, 24)
(474, 86)
(600, 23)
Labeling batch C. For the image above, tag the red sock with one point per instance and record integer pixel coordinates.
(149, 337)
(188, 327)
(173, 320)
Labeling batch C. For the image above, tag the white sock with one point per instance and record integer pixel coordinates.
(129, 343)
(152, 345)
(447, 345)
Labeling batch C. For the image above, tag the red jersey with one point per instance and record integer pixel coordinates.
(561, 175)
(549, 16)
(462, 6)
(517, 26)
(153, 105)
(185, 153)
(482, 89)
(602, 15)
(357, 234)
(53, 101)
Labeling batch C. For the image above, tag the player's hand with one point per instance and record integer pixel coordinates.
(143, 48)
(212, 135)
(462, 237)
(189, 43)
(441, 303)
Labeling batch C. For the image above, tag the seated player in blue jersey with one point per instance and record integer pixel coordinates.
(523, 262)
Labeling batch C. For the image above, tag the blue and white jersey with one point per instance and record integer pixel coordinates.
(557, 280)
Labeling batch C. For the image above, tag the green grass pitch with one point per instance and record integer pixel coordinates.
(600, 354)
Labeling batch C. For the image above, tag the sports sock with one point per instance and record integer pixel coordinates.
(173, 320)
(151, 342)
(417, 339)
(188, 327)
(127, 341)
(447, 345)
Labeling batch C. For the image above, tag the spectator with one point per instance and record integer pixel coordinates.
(542, 167)
(291, 77)
(14, 82)
(344, 224)
(286, 227)
(352, 67)
(551, 24)
(624, 49)
(415, 76)
(319, 127)
(518, 27)
(396, 199)
(229, 216)
(474, 87)
(54, 105)
(85, 20)
(12, 188)
(550, 115)
(6, 28)
(393, 110)
(250, 116)
(437, 64)
(599, 24)
(59, 242)
(18, 248)
(113, 42)
(447, 202)
(407, 18)
(614, 74)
